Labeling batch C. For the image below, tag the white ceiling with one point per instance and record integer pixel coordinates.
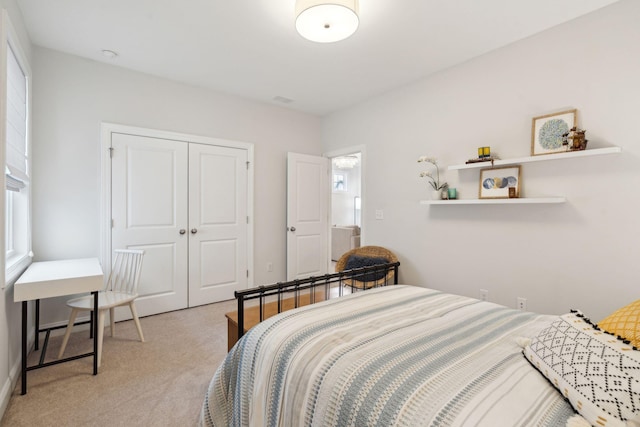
(250, 47)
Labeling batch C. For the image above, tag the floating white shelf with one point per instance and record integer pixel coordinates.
(516, 201)
(540, 158)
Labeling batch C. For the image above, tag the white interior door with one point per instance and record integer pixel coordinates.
(217, 223)
(149, 212)
(307, 215)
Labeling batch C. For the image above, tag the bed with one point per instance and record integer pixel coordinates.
(410, 356)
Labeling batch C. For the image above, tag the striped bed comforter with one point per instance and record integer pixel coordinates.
(399, 355)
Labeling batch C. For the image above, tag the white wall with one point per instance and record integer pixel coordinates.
(72, 96)
(10, 311)
(581, 254)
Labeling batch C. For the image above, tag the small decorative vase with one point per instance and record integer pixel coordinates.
(436, 195)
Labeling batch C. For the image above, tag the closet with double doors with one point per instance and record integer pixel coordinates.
(185, 201)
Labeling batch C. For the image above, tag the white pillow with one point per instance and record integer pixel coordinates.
(598, 373)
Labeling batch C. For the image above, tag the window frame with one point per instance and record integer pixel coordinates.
(15, 263)
(8, 225)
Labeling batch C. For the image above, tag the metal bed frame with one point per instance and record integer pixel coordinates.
(365, 276)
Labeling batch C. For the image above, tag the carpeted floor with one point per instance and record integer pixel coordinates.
(160, 382)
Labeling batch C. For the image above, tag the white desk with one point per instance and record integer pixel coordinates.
(53, 279)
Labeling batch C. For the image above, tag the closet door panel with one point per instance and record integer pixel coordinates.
(149, 209)
(218, 223)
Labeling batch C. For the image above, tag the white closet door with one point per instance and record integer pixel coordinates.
(149, 211)
(217, 223)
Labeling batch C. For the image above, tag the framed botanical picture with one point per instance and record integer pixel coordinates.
(495, 182)
(547, 131)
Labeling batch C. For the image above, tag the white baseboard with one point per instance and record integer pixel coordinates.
(14, 374)
(61, 331)
(5, 393)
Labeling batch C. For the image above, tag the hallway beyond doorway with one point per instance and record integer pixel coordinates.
(346, 203)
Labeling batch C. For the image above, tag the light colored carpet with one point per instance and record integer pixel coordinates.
(161, 382)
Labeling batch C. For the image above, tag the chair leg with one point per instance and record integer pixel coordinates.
(67, 334)
(112, 320)
(132, 306)
(100, 336)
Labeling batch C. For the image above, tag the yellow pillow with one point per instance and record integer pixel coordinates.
(624, 322)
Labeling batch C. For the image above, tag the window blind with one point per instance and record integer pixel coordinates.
(16, 166)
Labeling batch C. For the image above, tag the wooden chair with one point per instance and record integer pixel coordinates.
(367, 252)
(121, 289)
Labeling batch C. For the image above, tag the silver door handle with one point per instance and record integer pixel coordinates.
(194, 231)
(292, 229)
(182, 231)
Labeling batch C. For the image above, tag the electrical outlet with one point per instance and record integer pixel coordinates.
(521, 303)
(484, 295)
(379, 214)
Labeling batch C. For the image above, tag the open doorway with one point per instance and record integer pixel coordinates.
(346, 203)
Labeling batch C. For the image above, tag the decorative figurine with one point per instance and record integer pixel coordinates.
(574, 139)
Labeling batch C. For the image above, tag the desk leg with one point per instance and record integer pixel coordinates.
(37, 346)
(24, 348)
(95, 332)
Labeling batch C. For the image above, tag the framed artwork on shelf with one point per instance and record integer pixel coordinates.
(547, 131)
(496, 182)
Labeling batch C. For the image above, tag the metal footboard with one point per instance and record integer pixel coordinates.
(282, 296)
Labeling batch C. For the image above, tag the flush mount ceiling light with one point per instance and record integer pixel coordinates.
(326, 21)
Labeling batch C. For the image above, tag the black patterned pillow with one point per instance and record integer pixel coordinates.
(598, 373)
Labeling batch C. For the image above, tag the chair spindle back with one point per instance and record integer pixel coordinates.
(125, 271)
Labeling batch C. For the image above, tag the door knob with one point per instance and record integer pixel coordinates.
(182, 231)
(194, 231)
(292, 229)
